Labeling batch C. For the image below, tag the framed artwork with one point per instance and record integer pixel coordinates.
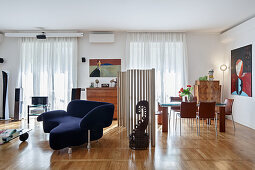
(241, 71)
(104, 67)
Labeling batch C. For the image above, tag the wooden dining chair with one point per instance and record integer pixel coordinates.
(207, 111)
(187, 110)
(194, 99)
(228, 109)
(175, 99)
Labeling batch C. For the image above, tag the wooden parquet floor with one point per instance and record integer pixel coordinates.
(230, 150)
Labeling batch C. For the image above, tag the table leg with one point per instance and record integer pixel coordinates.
(222, 119)
(165, 119)
(28, 114)
(159, 115)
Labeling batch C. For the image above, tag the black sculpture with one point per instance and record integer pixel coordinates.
(139, 139)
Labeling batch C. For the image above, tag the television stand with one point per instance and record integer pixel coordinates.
(44, 107)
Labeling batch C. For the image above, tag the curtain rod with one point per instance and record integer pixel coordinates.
(34, 34)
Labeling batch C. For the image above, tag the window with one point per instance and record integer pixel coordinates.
(48, 68)
(166, 53)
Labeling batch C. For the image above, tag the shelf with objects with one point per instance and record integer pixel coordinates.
(39, 103)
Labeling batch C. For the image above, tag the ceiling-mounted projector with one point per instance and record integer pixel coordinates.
(41, 36)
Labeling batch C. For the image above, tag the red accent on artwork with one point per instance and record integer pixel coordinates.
(246, 83)
(93, 62)
(233, 82)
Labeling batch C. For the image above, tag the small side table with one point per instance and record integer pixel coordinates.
(45, 108)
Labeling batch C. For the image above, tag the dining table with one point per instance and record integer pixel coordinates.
(165, 106)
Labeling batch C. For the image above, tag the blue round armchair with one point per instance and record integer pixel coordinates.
(81, 123)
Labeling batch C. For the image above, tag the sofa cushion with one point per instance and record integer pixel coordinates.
(68, 130)
(50, 124)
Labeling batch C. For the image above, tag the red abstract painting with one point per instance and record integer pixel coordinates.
(241, 71)
(104, 67)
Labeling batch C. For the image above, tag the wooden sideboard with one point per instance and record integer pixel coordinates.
(104, 94)
(207, 91)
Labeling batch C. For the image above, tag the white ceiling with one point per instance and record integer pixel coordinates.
(124, 15)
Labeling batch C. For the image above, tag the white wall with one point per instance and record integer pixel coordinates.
(204, 53)
(242, 35)
(89, 50)
(9, 50)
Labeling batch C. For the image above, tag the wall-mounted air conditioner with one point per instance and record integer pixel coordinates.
(101, 37)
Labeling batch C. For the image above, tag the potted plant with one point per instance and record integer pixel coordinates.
(186, 92)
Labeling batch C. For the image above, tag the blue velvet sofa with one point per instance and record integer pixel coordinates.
(81, 123)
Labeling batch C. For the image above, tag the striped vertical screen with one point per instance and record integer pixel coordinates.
(133, 86)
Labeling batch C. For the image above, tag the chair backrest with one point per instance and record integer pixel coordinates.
(76, 94)
(178, 99)
(79, 108)
(175, 99)
(99, 117)
(228, 107)
(188, 109)
(194, 99)
(207, 109)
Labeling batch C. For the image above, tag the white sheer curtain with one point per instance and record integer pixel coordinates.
(48, 68)
(166, 52)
